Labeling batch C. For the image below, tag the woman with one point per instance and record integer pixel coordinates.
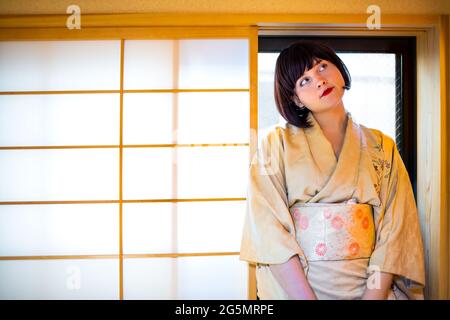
(331, 213)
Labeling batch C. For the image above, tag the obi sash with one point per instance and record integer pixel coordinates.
(334, 231)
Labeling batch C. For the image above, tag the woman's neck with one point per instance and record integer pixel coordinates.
(333, 121)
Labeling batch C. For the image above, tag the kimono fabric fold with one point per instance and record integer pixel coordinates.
(296, 169)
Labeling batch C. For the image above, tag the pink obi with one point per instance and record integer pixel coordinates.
(335, 231)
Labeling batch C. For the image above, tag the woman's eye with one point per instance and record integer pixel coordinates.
(302, 83)
(324, 65)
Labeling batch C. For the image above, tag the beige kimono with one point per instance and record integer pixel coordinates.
(297, 167)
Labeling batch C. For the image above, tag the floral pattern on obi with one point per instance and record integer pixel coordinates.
(334, 231)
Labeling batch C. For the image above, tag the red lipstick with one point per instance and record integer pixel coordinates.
(326, 92)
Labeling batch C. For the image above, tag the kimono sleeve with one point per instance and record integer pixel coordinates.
(398, 248)
(268, 233)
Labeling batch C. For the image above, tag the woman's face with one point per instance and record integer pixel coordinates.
(311, 86)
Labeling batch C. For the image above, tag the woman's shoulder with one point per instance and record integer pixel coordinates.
(276, 132)
(377, 139)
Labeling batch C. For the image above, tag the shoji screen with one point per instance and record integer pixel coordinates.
(123, 168)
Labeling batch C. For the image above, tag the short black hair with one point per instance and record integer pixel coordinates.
(292, 62)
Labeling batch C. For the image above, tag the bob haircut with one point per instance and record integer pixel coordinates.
(292, 62)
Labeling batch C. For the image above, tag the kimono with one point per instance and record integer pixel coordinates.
(299, 193)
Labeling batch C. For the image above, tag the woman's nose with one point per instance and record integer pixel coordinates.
(320, 83)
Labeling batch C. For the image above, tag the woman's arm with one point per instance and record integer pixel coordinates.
(291, 277)
(381, 292)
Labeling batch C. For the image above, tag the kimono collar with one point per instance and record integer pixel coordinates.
(336, 174)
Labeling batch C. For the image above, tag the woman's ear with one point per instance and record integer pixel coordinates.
(297, 101)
